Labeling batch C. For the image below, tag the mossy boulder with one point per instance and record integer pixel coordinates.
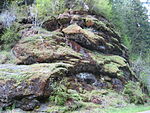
(89, 28)
(23, 84)
(76, 45)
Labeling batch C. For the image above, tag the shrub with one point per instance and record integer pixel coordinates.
(134, 92)
(61, 94)
(142, 70)
(10, 37)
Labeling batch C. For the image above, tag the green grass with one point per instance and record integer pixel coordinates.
(129, 109)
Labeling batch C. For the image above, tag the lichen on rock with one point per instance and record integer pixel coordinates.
(76, 45)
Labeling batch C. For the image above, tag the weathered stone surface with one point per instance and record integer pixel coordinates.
(71, 45)
(26, 85)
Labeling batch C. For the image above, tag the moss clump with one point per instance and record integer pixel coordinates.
(105, 59)
(111, 68)
(16, 77)
(16, 74)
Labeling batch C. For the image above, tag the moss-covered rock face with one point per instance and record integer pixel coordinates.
(23, 84)
(76, 45)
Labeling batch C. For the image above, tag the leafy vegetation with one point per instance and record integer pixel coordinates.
(103, 7)
(61, 95)
(50, 7)
(134, 93)
(10, 37)
(142, 70)
(131, 19)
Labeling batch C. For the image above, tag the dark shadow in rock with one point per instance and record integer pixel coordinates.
(51, 25)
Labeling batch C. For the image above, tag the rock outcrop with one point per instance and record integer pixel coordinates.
(75, 44)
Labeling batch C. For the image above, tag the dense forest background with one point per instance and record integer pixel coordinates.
(128, 16)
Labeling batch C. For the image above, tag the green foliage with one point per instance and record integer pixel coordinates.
(127, 42)
(50, 7)
(10, 108)
(10, 37)
(141, 67)
(131, 20)
(134, 93)
(54, 7)
(102, 7)
(61, 94)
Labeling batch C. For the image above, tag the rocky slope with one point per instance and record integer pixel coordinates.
(77, 45)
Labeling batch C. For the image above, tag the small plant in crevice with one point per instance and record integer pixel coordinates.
(61, 95)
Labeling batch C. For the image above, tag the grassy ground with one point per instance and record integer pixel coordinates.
(129, 109)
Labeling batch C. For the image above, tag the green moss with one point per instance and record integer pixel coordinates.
(111, 68)
(61, 94)
(103, 26)
(60, 68)
(92, 37)
(42, 34)
(30, 39)
(18, 78)
(66, 50)
(111, 64)
(37, 70)
(102, 59)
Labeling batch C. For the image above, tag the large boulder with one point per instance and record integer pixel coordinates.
(74, 44)
(25, 86)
